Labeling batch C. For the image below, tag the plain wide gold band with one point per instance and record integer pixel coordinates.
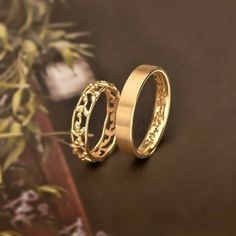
(127, 105)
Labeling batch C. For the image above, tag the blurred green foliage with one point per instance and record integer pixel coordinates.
(28, 43)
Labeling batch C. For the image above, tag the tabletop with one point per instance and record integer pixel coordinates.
(187, 187)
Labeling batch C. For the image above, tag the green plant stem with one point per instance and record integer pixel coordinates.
(15, 135)
(54, 133)
(11, 135)
(13, 86)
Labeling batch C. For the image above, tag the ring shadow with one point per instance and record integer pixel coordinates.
(136, 164)
(139, 163)
(96, 165)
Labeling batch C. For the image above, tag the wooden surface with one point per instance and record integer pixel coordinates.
(56, 172)
(187, 188)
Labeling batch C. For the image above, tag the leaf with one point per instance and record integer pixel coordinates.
(85, 45)
(4, 44)
(82, 49)
(62, 44)
(10, 135)
(2, 55)
(15, 153)
(52, 189)
(29, 19)
(56, 35)
(22, 71)
(31, 106)
(76, 35)
(61, 25)
(29, 49)
(10, 138)
(4, 124)
(16, 101)
(13, 85)
(15, 128)
(41, 8)
(76, 55)
(86, 53)
(3, 36)
(9, 233)
(68, 58)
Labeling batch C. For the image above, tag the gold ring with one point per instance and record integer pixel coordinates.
(81, 117)
(126, 110)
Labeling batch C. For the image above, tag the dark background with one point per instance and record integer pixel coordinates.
(188, 187)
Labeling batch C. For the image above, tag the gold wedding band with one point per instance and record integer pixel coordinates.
(126, 110)
(81, 117)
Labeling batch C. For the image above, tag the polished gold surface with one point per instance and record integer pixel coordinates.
(81, 117)
(126, 110)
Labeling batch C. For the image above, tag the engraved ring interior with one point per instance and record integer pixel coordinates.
(126, 110)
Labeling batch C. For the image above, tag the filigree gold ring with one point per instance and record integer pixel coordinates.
(126, 110)
(81, 117)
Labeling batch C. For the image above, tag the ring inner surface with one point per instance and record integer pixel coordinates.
(154, 132)
(107, 138)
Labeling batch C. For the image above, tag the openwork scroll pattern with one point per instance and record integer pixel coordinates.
(153, 134)
(80, 122)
